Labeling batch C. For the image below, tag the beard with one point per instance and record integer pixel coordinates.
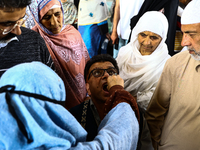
(196, 55)
(8, 37)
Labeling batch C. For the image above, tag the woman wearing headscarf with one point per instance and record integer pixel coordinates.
(169, 8)
(65, 45)
(29, 119)
(142, 60)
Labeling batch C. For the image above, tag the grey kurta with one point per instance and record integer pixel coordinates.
(173, 113)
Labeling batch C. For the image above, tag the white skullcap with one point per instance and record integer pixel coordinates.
(191, 13)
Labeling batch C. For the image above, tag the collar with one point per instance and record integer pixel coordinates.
(4, 43)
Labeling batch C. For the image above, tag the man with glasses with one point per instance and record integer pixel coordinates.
(18, 44)
(102, 81)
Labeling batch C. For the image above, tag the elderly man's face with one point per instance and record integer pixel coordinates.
(191, 39)
(8, 18)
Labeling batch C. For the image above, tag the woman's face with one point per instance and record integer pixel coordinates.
(148, 41)
(53, 20)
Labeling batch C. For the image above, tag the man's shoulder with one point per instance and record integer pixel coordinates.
(77, 110)
(30, 36)
(179, 59)
(29, 33)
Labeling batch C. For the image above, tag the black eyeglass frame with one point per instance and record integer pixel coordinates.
(116, 73)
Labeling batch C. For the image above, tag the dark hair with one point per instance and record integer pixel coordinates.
(14, 3)
(99, 58)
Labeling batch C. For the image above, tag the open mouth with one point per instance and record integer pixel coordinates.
(105, 87)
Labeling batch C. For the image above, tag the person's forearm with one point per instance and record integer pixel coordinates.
(116, 16)
(118, 130)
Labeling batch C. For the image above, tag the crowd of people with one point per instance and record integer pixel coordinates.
(60, 89)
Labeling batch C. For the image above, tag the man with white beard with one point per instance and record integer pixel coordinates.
(173, 114)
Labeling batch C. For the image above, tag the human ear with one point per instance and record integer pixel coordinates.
(88, 88)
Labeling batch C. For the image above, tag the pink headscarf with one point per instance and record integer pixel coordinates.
(67, 50)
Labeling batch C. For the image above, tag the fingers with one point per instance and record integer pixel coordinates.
(108, 36)
(114, 80)
(114, 38)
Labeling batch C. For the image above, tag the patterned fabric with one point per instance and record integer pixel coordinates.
(70, 13)
(29, 23)
(92, 12)
(68, 52)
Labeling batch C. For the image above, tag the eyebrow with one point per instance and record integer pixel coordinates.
(13, 21)
(190, 32)
(102, 68)
(59, 11)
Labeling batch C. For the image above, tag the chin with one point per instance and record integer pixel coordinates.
(55, 32)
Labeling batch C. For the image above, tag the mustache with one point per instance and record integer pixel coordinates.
(194, 51)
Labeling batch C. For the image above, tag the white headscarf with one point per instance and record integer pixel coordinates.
(141, 73)
(191, 13)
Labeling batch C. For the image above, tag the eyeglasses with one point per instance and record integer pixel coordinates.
(9, 26)
(100, 72)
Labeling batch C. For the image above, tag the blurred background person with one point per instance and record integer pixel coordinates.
(121, 22)
(93, 25)
(70, 13)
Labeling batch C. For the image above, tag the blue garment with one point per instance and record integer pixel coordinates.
(37, 124)
(122, 43)
(47, 125)
(117, 131)
(93, 38)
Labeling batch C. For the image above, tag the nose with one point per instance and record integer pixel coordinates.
(53, 21)
(147, 41)
(185, 40)
(16, 30)
(106, 75)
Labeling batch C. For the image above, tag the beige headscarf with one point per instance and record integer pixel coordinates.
(141, 73)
